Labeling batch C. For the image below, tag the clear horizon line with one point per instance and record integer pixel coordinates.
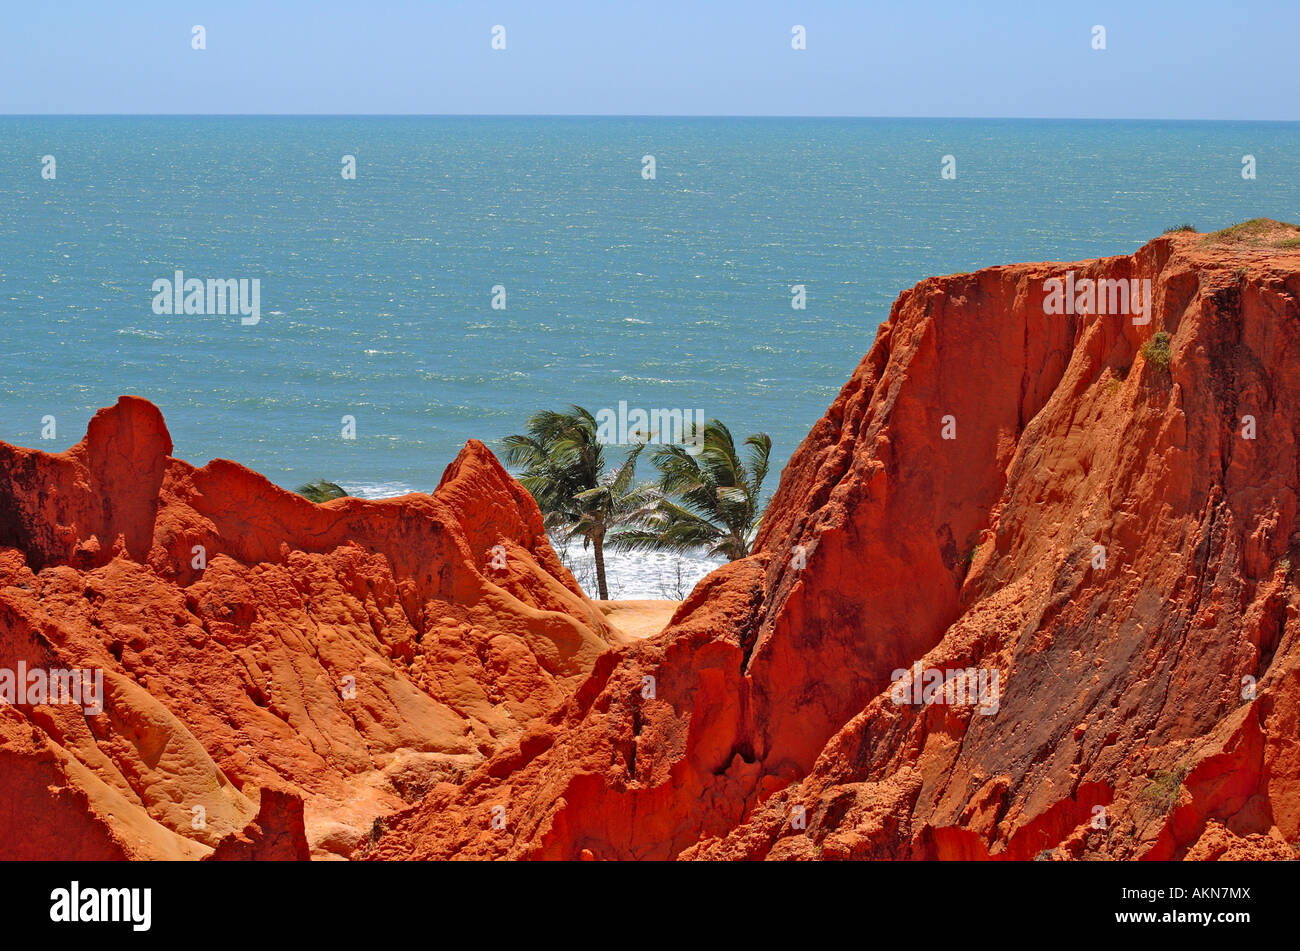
(598, 115)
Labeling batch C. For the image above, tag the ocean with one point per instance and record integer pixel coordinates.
(377, 293)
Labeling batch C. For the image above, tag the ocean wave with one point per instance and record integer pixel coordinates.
(640, 574)
(378, 490)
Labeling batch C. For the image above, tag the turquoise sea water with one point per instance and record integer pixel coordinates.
(674, 292)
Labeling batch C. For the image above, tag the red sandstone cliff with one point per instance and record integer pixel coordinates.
(771, 733)
(1098, 532)
(348, 655)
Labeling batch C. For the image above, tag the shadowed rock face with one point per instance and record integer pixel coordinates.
(1044, 499)
(1098, 532)
(258, 648)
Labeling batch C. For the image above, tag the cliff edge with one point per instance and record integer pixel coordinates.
(1026, 591)
(256, 647)
(1078, 512)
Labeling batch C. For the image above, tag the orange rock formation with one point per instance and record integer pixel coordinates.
(349, 655)
(1104, 522)
(1149, 702)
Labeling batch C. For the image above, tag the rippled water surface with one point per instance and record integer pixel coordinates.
(674, 292)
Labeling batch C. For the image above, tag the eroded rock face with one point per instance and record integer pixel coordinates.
(258, 648)
(1099, 532)
(1042, 499)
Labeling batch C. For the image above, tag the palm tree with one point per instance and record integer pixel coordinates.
(322, 491)
(710, 498)
(563, 467)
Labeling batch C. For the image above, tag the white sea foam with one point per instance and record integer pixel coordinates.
(639, 574)
(377, 490)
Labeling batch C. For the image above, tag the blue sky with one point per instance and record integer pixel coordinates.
(1191, 59)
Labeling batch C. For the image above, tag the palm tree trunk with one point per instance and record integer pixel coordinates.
(598, 541)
